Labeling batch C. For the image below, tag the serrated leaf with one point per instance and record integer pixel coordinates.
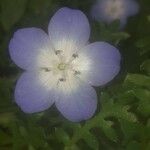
(72, 147)
(114, 37)
(11, 12)
(114, 26)
(4, 138)
(35, 131)
(18, 140)
(144, 45)
(6, 118)
(91, 140)
(111, 109)
(106, 127)
(120, 36)
(135, 131)
(62, 136)
(130, 130)
(126, 98)
(110, 33)
(144, 103)
(133, 145)
(143, 42)
(138, 79)
(146, 66)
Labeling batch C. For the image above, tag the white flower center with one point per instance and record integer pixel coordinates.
(62, 66)
(60, 70)
(115, 8)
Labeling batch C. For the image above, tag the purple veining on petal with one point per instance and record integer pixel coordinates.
(105, 63)
(37, 89)
(69, 25)
(25, 46)
(79, 105)
(30, 95)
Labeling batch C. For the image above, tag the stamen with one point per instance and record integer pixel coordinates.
(77, 72)
(60, 54)
(62, 66)
(62, 79)
(75, 55)
(57, 52)
(46, 69)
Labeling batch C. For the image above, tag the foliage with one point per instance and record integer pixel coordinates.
(122, 119)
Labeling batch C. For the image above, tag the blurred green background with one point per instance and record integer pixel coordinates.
(122, 119)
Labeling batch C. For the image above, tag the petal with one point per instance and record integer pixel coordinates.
(25, 46)
(99, 63)
(100, 9)
(69, 29)
(132, 7)
(78, 105)
(31, 94)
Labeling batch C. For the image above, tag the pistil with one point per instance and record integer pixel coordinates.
(62, 66)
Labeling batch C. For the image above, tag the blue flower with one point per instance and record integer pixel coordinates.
(110, 10)
(61, 67)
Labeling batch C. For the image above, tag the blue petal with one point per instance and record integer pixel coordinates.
(104, 63)
(25, 46)
(78, 105)
(132, 7)
(69, 28)
(31, 95)
(98, 11)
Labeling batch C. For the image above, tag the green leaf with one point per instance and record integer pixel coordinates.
(119, 111)
(6, 118)
(35, 131)
(114, 37)
(101, 121)
(72, 147)
(62, 136)
(144, 103)
(133, 145)
(148, 18)
(40, 7)
(90, 139)
(130, 130)
(6, 103)
(144, 45)
(18, 140)
(138, 80)
(4, 138)
(143, 42)
(135, 132)
(146, 66)
(106, 127)
(110, 33)
(11, 12)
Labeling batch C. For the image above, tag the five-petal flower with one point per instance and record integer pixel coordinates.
(61, 67)
(110, 10)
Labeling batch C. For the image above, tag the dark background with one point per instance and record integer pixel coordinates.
(122, 119)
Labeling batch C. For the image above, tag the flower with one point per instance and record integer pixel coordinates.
(61, 67)
(110, 10)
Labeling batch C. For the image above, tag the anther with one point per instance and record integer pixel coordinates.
(62, 79)
(77, 72)
(46, 69)
(75, 55)
(57, 52)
